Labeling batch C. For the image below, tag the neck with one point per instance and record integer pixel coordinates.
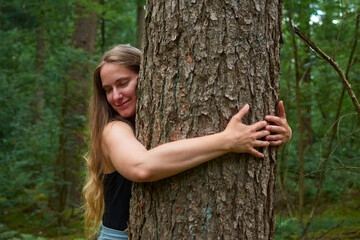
(132, 120)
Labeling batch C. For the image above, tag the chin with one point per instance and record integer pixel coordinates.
(127, 115)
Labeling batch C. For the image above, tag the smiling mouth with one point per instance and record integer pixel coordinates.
(123, 103)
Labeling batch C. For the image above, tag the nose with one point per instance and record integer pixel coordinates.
(117, 94)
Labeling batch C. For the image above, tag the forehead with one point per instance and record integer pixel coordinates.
(112, 71)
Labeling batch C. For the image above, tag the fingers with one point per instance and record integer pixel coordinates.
(248, 137)
(261, 134)
(259, 143)
(278, 120)
(259, 125)
(274, 119)
(275, 129)
(281, 110)
(276, 143)
(256, 153)
(243, 111)
(275, 137)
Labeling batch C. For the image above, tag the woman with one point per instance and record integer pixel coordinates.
(117, 158)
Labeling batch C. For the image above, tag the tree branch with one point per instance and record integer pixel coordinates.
(341, 27)
(334, 127)
(334, 227)
(333, 64)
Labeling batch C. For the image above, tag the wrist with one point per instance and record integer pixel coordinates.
(224, 142)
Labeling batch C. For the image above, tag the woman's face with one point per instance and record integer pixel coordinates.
(119, 83)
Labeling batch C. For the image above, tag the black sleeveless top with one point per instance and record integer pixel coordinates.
(117, 194)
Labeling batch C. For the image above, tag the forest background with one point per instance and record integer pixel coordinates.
(45, 77)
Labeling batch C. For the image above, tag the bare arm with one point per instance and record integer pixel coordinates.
(129, 157)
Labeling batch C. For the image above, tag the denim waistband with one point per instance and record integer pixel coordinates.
(111, 234)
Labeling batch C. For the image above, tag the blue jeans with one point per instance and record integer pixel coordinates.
(111, 234)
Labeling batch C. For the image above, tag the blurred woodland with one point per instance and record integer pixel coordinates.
(48, 51)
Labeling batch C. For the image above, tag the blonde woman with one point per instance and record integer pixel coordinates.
(116, 157)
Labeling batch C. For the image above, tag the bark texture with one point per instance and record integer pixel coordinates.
(139, 22)
(203, 60)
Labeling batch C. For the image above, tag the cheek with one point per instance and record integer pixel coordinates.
(108, 98)
(131, 91)
(134, 89)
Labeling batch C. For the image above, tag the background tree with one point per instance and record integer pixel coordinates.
(140, 12)
(302, 70)
(332, 27)
(45, 62)
(202, 62)
(74, 101)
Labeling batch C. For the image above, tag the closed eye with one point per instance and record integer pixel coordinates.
(108, 90)
(122, 83)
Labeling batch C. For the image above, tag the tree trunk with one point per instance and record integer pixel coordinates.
(41, 35)
(0, 14)
(203, 60)
(84, 37)
(102, 26)
(306, 88)
(300, 130)
(139, 22)
(69, 159)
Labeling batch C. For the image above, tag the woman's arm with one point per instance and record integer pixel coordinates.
(129, 157)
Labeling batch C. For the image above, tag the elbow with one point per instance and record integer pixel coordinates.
(142, 175)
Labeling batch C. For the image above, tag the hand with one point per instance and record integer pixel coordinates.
(281, 131)
(244, 138)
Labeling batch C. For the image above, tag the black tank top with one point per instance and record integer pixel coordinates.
(117, 194)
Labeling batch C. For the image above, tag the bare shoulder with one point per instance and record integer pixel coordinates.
(115, 128)
(115, 135)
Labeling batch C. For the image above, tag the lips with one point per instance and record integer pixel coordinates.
(123, 104)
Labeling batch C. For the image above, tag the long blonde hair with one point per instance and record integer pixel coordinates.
(101, 113)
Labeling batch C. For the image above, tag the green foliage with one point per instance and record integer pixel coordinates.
(339, 221)
(330, 25)
(31, 100)
(286, 228)
(119, 21)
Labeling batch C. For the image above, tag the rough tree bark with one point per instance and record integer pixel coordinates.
(203, 60)
(140, 12)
